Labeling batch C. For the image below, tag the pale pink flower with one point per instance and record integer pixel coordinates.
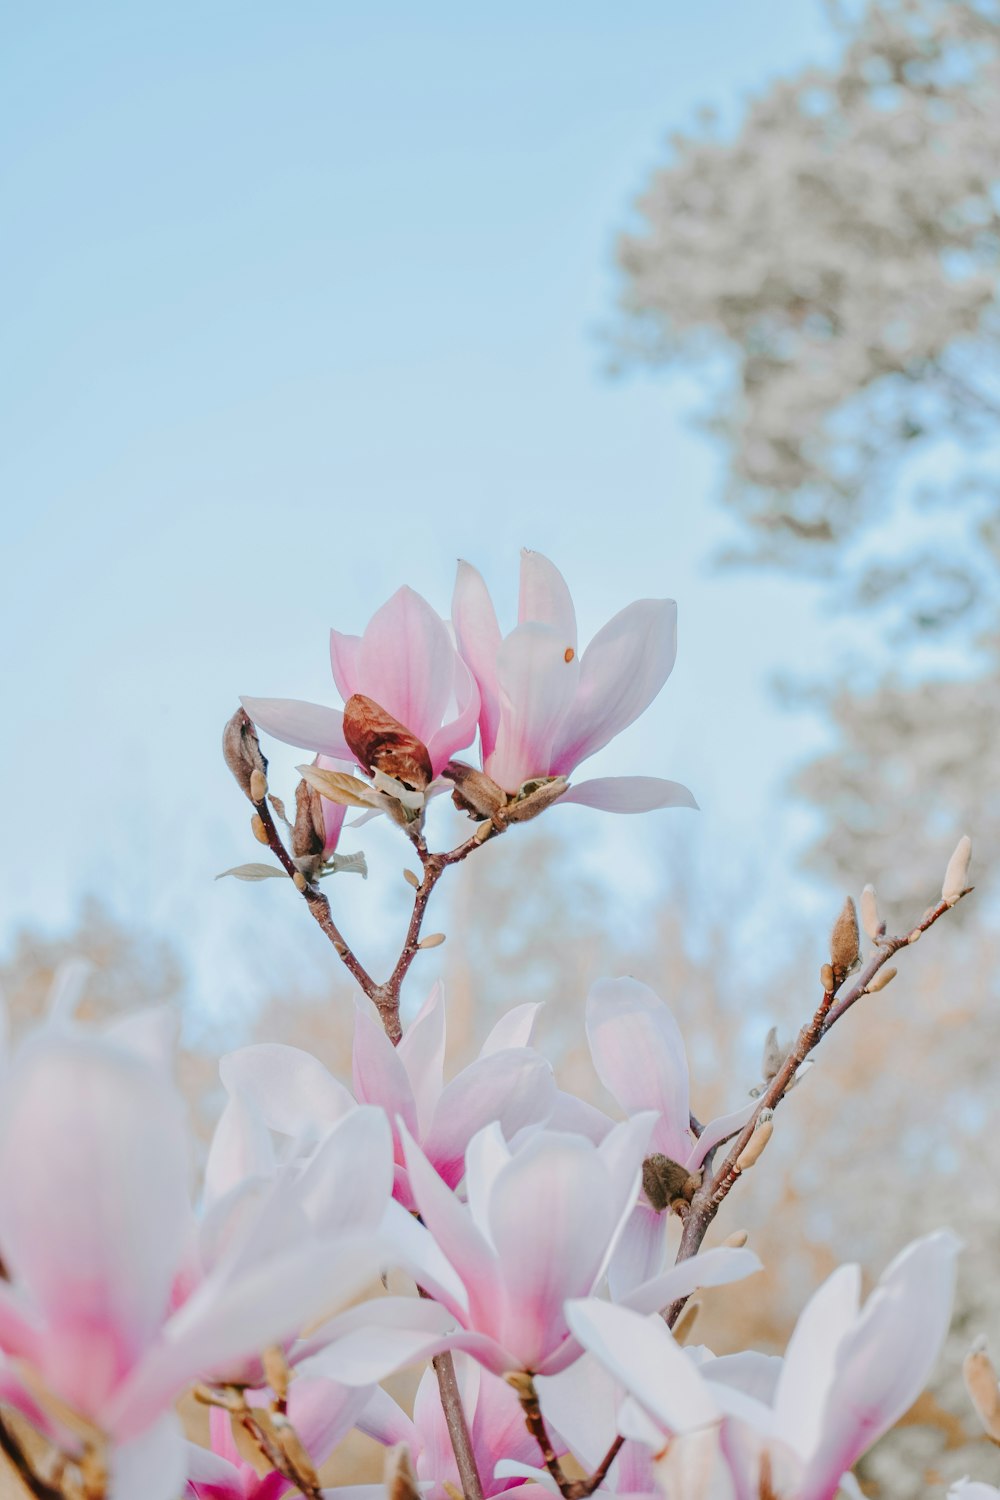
(544, 708)
(94, 1227)
(509, 1082)
(405, 662)
(542, 1219)
(848, 1375)
(639, 1055)
(973, 1489)
(321, 1412)
(496, 1428)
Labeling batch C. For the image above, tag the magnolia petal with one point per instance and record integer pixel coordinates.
(514, 1029)
(406, 662)
(639, 1056)
(379, 1074)
(628, 794)
(478, 636)
(385, 1420)
(323, 1412)
(451, 1224)
(460, 731)
(811, 1356)
(309, 726)
(886, 1357)
(152, 1466)
(374, 1340)
(335, 1195)
(537, 685)
(640, 1252)
(718, 1130)
(715, 1267)
(241, 1148)
(422, 1052)
(292, 1091)
(95, 1240)
(623, 669)
(551, 1220)
(641, 1353)
(544, 598)
(344, 659)
(514, 1088)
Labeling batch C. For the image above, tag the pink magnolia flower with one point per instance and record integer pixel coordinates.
(406, 662)
(544, 708)
(496, 1428)
(848, 1375)
(640, 1057)
(542, 1219)
(94, 1226)
(321, 1412)
(509, 1082)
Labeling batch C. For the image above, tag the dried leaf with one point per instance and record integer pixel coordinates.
(382, 743)
(254, 872)
(338, 786)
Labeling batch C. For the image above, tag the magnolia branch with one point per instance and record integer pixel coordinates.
(716, 1186)
(11, 1447)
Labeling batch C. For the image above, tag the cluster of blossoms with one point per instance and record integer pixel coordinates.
(511, 1234)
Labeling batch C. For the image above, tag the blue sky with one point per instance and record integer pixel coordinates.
(303, 302)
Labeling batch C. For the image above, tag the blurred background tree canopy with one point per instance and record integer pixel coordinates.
(830, 264)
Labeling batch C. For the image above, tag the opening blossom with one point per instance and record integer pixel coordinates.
(406, 663)
(544, 707)
(849, 1374)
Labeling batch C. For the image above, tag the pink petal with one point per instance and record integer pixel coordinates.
(623, 669)
(220, 1428)
(478, 636)
(544, 598)
(515, 1088)
(292, 1091)
(323, 1412)
(333, 812)
(335, 1195)
(406, 662)
(537, 685)
(628, 794)
(641, 1354)
(211, 1477)
(716, 1267)
(886, 1357)
(374, 1340)
(639, 1056)
(514, 1029)
(551, 1222)
(450, 1222)
(640, 1252)
(455, 734)
(379, 1074)
(309, 726)
(241, 1148)
(810, 1358)
(718, 1130)
(151, 1466)
(93, 1183)
(422, 1053)
(385, 1421)
(344, 662)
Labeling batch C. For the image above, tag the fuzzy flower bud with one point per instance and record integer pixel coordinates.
(870, 919)
(956, 877)
(845, 942)
(243, 755)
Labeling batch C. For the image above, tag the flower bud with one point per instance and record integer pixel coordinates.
(309, 828)
(664, 1180)
(845, 942)
(980, 1379)
(880, 980)
(411, 879)
(754, 1148)
(534, 797)
(242, 753)
(773, 1057)
(475, 793)
(956, 877)
(433, 940)
(737, 1240)
(382, 743)
(870, 919)
(257, 829)
(826, 979)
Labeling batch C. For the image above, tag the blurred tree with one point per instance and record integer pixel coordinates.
(833, 263)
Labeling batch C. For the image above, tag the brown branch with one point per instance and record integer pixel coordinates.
(570, 1489)
(11, 1447)
(716, 1186)
(458, 1427)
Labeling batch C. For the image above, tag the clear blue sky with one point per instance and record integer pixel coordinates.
(302, 302)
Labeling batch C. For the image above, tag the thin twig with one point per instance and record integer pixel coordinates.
(570, 1489)
(10, 1445)
(458, 1427)
(716, 1186)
